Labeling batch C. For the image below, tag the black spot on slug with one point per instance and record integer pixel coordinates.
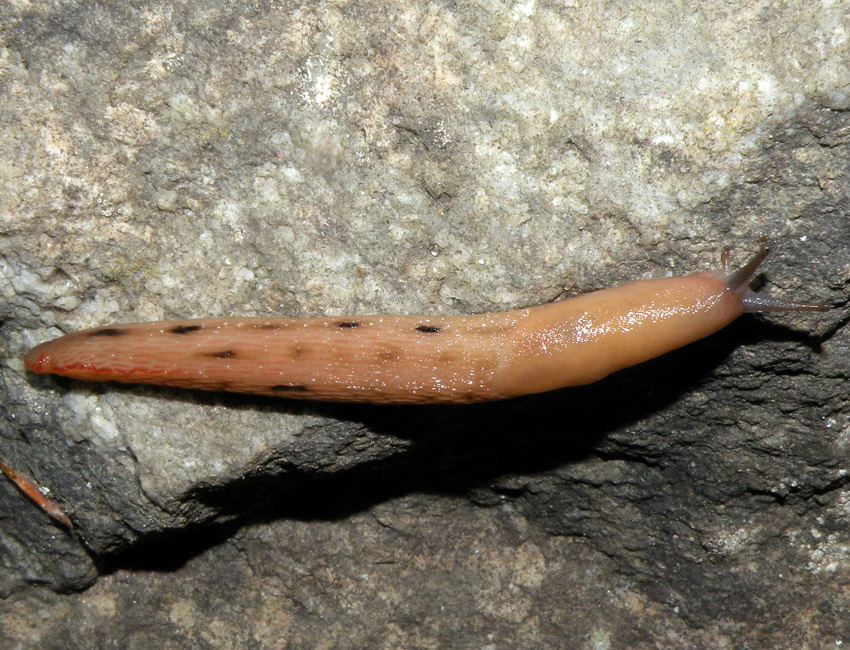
(185, 329)
(429, 329)
(348, 324)
(219, 354)
(108, 331)
(285, 387)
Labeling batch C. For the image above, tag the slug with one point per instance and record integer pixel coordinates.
(418, 359)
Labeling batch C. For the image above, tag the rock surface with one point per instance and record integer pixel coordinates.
(201, 158)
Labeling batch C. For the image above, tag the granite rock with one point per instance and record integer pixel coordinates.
(206, 159)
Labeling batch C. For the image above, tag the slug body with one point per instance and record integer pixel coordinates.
(417, 359)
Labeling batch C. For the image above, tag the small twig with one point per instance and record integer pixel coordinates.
(31, 490)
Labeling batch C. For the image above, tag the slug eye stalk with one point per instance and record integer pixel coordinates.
(738, 282)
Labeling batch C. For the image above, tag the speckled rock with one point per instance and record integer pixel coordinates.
(200, 158)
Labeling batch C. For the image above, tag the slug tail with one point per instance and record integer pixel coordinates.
(738, 282)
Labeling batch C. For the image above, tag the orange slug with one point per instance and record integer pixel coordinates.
(418, 359)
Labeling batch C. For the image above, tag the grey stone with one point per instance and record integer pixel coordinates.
(266, 158)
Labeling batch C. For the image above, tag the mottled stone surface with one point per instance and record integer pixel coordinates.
(201, 158)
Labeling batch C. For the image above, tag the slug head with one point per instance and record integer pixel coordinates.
(738, 282)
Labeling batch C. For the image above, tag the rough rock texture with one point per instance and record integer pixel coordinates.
(205, 158)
